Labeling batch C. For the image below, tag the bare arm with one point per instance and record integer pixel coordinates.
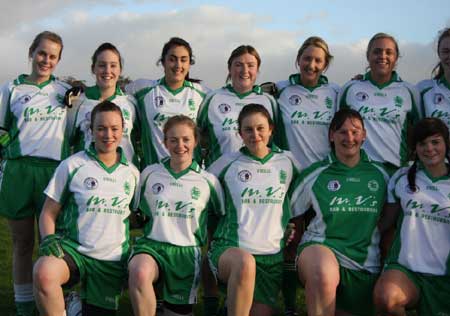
(47, 220)
(386, 225)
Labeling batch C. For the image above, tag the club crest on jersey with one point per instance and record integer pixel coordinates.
(126, 114)
(245, 175)
(283, 176)
(157, 188)
(159, 101)
(416, 189)
(438, 98)
(195, 193)
(333, 185)
(224, 108)
(24, 99)
(328, 102)
(373, 185)
(191, 104)
(90, 183)
(362, 96)
(398, 101)
(127, 187)
(295, 100)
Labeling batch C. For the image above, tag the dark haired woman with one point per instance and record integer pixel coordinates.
(84, 221)
(158, 100)
(35, 120)
(338, 257)
(417, 270)
(107, 68)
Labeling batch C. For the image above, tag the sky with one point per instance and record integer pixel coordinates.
(276, 29)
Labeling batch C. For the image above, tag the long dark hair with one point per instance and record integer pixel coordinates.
(425, 128)
(438, 70)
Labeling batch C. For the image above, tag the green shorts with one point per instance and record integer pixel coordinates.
(22, 185)
(434, 290)
(101, 281)
(354, 292)
(179, 269)
(269, 273)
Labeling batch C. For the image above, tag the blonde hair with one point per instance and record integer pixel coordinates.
(318, 42)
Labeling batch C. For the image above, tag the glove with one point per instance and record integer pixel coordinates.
(270, 88)
(72, 94)
(51, 246)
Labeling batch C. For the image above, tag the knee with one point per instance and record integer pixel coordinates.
(385, 299)
(140, 275)
(245, 267)
(323, 280)
(44, 276)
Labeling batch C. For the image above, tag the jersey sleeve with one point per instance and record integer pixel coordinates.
(58, 187)
(416, 111)
(392, 196)
(342, 96)
(216, 201)
(301, 198)
(143, 179)
(134, 205)
(4, 104)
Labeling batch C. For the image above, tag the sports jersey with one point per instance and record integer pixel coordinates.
(256, 199)
(347, 204)
(422, 241)
(305, 115)
(156, 104)
(82, 134)
(178, 203)
(436, 100)
(96, 202)
(387, 111)
(219, 114)
(35, 118)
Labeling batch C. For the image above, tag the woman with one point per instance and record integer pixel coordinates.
(219, 112)
(307, 103)
(173, 94)
(435, 93)
(338, 258)
(387, 104)
(32, 113)
(177, 196)
(247, 250)
(107, 68)
(416, 274)
(92, 193)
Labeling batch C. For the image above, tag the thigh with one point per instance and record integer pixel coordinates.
(317, 262)
(231, 259)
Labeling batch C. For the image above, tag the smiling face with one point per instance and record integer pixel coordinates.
(44, 60)
(348, 140)
(107, 131)
(107, 69)
(256, 131)
(382, 57)
(312, 63)
(431, 151)
(176, 65)
(243, 72)
(180, 141)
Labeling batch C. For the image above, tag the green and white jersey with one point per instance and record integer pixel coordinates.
(178, 203)
(156, 104)
(436, 100)
(35, 118)
(219, 114)
(82, 134)
(257, 195)
(305, 115)
(387, 111)
(347, 204)
(422, 241)
(96, 202)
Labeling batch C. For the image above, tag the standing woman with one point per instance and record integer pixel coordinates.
(171, 95)
(90, 194)
(177, 196)
(107, 67)
(436, 94)
(388, 105)
(247, 250)
(417, 270)
(33, 114)
(338, 259)
(307, 103)
(220, 110)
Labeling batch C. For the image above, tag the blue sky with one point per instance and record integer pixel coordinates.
(276, 28)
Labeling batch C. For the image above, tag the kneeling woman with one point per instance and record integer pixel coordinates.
(246, 252)
(338, 260)
(417, 271)
(177, 196)
(84, 225)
